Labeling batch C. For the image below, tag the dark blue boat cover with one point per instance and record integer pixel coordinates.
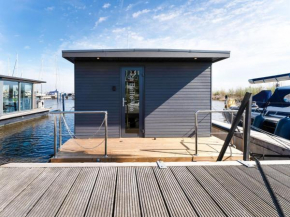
(277, 99)
(262, 97)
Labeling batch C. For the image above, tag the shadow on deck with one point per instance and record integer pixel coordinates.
(144, 150)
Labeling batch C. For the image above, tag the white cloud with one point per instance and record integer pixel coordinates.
(256, 32)
(165, 17)
(27, 47)
(129, 7)
(138, 13)
(119, 30)
(100, 20)
(49, 8)
(107, 5)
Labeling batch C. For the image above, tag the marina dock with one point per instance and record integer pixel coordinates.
(22, 116)
(260, 143)
(144, 150)
(135, 189)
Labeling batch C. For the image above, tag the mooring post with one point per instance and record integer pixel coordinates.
(55, 136)
(63, 105)
(247, 130)
(60, 131)
(106, 133)
(234, 125)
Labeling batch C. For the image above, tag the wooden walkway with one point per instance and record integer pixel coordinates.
(195, 190)
(144, 150)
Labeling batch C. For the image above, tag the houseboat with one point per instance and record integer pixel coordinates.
(146, 92)
(18, 101)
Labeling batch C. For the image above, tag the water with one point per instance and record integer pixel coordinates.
(218, 105)
(32, 141)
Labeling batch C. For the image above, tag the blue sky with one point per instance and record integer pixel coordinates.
(257, 32)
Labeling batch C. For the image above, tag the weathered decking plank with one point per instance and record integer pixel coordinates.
(7, 174)
(256, 187)
(222, 197)
(242, 194)
(285, 169)
(143, 191)
(175, 199)
(21, 205)
(278, 176)
(77, 199)
(52, 199)
(199, 198)
(102, 200)
(126, 198)
(151, 201)
(278, 187)
(17, 185)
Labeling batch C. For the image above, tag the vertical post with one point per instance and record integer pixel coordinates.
(196, 136)
(19, 96)
(106, 133)
(234, 125)
(60, 132)
(1, 98)
(247, 130)
(232, 118)
(55, 137)
(63, 105)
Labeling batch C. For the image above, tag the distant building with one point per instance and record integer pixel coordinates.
(147, 92)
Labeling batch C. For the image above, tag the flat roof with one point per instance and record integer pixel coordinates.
(145, 55)
(12, 78)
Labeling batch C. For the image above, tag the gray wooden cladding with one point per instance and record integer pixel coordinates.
(174, 91)
(142, 191)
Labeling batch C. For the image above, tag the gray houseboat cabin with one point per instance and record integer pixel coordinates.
(147, 92)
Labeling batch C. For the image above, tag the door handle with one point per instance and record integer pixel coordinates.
(124, 102)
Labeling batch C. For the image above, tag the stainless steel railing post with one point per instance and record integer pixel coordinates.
(196, 136)
(76, 112)
(106, 133)
(55, 136)
(60, 131)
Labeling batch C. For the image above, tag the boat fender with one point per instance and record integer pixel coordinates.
(283, 128)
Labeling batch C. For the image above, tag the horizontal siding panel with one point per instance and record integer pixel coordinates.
(173, 93)
(93, 92)
(172, 96)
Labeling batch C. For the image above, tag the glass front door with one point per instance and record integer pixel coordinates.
(132, 102)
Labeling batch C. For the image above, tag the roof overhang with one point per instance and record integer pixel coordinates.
(145, 55)
(18, 79)
(268, 79)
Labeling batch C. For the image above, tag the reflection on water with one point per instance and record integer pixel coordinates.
(32, 141)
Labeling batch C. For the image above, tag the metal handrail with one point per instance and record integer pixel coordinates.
(196, 123)
(76, 112)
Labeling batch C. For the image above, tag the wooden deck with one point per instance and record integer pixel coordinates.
(105, 190)
(144, 150)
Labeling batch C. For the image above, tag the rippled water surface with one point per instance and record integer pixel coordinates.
(32, 141)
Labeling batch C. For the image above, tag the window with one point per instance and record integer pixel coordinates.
(26, 96)
(10, 96)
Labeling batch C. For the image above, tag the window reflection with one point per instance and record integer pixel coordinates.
(26, 96)
(10, 96)
(132, 101)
